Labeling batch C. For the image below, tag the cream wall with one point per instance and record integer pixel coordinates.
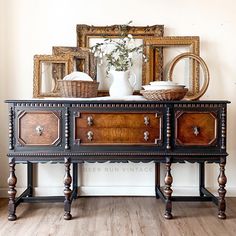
(33, 27)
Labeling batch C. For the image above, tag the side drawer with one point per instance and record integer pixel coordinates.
(118, 128)
(38, 128)
(195, 128)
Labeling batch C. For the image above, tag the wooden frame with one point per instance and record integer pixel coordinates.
(86, 60)
(152, 68)
(202, 63)
(58, 72)
(86, 32)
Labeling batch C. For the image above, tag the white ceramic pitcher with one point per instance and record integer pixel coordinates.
(121, 85)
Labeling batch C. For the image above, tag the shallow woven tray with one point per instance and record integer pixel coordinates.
(75, 88)
(165, 94)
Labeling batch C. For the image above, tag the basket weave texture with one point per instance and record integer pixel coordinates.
(164, 94)
(76, 88)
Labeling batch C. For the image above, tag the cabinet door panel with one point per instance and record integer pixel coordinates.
(195, 128)
(38, 128)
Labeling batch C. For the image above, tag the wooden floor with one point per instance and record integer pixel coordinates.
(121, 216)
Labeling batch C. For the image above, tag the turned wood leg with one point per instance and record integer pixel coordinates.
(12, 191)
(67, 190)
(168, 191)
(222, 181)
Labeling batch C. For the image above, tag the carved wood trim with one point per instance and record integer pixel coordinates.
(11, 128)
(67, 189)
(167, 189)
(85, 32)
(222, 180)
(223, 128)
(12, 180)
(115, 153)
(67, 130)
(168, 129)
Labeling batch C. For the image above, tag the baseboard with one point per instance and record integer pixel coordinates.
(115, 191)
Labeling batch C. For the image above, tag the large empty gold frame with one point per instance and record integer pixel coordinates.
(152, 68)
(56, 67)
(86, 32)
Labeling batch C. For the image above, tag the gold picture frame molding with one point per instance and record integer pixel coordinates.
(88, 61)
(152, 68)
(56, 61)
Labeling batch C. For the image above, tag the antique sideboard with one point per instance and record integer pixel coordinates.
(73, 131)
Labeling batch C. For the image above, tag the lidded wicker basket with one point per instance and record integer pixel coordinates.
(78, 88)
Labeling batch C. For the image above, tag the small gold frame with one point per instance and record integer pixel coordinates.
(152, 68)
(85, 59)
(57, 73)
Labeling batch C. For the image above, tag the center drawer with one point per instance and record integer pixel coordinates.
(117, 128)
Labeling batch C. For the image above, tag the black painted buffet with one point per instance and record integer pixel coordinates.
(74, 131)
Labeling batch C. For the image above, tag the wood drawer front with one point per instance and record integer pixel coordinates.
(38, 128)
(118, 128)
(195, 128)
(117, 120)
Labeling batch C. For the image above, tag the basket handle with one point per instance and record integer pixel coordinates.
(204, 67)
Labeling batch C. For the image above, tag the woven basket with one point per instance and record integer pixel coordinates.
(164, 94)
(76, 88)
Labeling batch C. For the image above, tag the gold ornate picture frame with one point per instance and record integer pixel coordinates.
(47, 70)
(86, 32)
(80, 59)
(152, 68)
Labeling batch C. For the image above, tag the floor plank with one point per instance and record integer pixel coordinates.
(121, 216)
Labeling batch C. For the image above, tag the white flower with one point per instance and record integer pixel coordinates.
(96, 53)
(126, 39)
(116, 55)
(130, 36)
